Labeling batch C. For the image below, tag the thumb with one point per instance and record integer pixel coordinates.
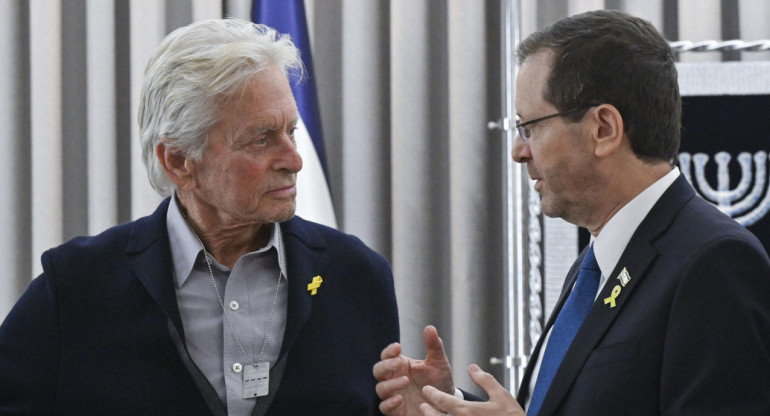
(487, 382)
(433, 344)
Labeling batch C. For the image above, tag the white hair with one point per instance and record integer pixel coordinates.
(192, 73)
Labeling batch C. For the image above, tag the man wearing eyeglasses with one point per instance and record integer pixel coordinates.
(667, 311)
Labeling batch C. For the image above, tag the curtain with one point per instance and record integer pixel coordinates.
(416, 173)
(406, 89)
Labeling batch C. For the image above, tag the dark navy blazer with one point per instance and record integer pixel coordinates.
(690, 332)
(99, 332)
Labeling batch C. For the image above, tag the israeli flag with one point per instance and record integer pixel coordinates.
(314, 201)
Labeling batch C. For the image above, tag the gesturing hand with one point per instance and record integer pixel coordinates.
(500, 403)
(401, 379)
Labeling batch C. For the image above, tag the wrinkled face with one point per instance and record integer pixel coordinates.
(248, 171)
(557, 154)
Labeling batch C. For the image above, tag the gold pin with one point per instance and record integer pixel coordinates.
(313, 287)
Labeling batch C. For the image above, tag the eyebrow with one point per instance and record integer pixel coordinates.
(294, 121)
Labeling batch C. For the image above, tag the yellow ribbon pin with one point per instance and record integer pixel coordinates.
(313, 287)
(611, 299)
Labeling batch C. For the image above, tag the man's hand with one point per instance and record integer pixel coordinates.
(401, 379)
(500, 403)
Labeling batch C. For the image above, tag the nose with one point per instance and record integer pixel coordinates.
(288, 157)
(520, 152)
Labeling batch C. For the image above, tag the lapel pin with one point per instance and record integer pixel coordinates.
(313, 287)
(624, 277)
(611, 299)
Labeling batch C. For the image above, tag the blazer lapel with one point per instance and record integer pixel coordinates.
(149, 256)
(305, 259)
(636, 259)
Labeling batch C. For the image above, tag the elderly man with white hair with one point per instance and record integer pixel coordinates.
(222, 301)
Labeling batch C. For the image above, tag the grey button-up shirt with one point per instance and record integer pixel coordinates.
(248, 292)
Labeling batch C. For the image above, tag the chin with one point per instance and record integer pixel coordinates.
(548, 209)
(283, 214)
(286, 217)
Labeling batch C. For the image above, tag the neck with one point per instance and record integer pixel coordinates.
(226, 241)
(624, 188)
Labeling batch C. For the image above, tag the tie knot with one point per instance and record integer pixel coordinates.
(589, 261)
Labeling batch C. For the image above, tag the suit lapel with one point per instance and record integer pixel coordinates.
(523, 394)
(636, 259)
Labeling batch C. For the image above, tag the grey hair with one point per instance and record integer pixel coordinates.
(192, 73)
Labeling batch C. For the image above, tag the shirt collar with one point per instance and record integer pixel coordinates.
(615, 235)
(185, 248)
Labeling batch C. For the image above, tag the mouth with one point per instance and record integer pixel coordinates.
(538, 181)
(283, 191)
(532, 175)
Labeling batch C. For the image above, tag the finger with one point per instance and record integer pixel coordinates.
(429, 411)
(392, 367)
(388, 388)
(433, 344)
(392, 350)
(391, 404)
(440, 400)
(486, 381)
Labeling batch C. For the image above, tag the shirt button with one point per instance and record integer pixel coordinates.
(234, 305)
(237, 367)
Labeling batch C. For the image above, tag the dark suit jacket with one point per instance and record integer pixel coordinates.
(99, 332)
(690, 333)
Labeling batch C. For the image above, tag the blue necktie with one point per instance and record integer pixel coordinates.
(567, 323)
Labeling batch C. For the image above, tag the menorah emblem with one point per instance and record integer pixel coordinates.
(740, 204)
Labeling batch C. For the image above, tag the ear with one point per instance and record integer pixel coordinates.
(177, 166)
(608, 131)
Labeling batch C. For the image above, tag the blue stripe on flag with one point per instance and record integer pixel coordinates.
(288, 16)
(313, 197)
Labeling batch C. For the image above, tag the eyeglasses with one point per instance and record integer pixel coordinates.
(524, 132)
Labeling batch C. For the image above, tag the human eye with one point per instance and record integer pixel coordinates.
(523, 130)
(291, 132)
(255, 142)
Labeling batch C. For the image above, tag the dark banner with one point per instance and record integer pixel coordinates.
(725, 140)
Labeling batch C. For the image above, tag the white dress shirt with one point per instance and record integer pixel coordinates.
(612, 240)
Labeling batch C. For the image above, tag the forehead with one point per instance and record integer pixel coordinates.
(531, 81)
(268, 89)
(264, 103)
(265, 100)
